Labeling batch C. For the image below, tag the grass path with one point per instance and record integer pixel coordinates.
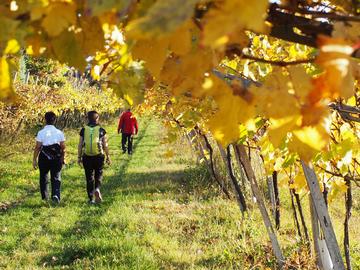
(158, 213)
(148, 220)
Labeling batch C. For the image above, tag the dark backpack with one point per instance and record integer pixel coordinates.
(52, 152)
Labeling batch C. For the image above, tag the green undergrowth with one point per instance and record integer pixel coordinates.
(158, 213)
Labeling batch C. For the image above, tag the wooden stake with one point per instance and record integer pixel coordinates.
(323, 216)
(245, 161)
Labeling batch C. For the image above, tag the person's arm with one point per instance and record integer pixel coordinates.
(37, 150)
(62, 147)
(106, 149)
(120, 123)
(80, 149)
(136, 127)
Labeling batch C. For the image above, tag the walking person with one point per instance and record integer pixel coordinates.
(49, 154)
(91, 149)
(128, 127)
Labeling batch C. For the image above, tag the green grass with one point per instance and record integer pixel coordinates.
(158, 213)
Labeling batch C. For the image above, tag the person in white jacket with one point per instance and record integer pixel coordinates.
(49, 154)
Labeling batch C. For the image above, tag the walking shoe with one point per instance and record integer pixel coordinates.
(55, 199)
(124, 151)
(91, 201)
(98, 197)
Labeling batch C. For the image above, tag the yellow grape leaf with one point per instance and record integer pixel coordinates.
(337, 188)
(273, 98)
(229, 16)
(301, 81)
(299, 183)
(153, 52)
(308, 141)
(128, 84)
(98, 7)
(313, 114)
(212, 86)
(67, 50)
(337, 79)
(223, 133)
(171, 73)
(164, 17)
(59, 16)
(6, 91)
(12, 47)
(232, 111)
(279, 128)
(91, 36)
(180, 40)
(278, 164)
(186, 73)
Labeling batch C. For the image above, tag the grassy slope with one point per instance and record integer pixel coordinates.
(158, 213)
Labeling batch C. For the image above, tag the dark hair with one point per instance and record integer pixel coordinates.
(50, 118)
(93, 117)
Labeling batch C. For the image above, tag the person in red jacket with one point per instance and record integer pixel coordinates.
(128, 127)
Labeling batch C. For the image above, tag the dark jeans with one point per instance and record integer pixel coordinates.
(54, 167)
(93, 166)
(127, 138)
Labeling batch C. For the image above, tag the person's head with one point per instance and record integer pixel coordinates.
(50, 118)
(93, 117)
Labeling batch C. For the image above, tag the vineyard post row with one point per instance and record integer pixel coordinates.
(231, 187)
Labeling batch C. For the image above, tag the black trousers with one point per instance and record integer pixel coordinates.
(93, 166)
(127, 138)
(54, 167)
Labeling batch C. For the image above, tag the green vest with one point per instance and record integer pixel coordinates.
(92, 143)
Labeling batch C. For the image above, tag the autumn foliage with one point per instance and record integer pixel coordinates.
(283, 77)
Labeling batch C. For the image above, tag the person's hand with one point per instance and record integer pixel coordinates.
(108, 161)
(35, 164)
(80, 162)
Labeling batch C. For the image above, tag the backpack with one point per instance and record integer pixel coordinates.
(51, 152)
(92, 144)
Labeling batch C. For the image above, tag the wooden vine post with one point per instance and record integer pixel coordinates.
(315, 233)
(322, 213)
(245, 162)
(235, 186)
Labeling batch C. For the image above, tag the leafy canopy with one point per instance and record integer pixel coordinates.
(232, 67)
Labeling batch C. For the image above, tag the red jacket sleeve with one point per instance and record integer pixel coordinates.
(121, 120)
(136, 126)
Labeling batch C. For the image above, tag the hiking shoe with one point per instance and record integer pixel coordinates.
(98, 197)
(55, 199)
(91, 201)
